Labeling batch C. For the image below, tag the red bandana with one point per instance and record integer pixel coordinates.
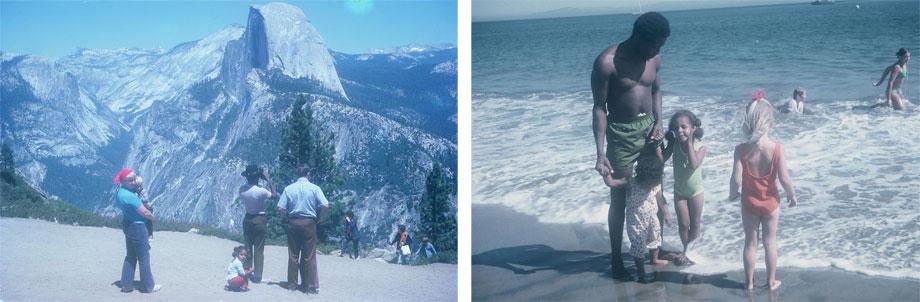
(124, 172)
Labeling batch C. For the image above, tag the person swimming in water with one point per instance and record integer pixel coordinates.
(797, 104)
(898, 71)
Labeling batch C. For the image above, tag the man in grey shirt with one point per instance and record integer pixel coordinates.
(303, 202)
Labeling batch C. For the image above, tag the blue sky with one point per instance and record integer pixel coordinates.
(59, 28)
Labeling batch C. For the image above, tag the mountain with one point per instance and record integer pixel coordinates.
(191, 117)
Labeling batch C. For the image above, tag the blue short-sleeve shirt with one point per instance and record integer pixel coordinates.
(303, 199)
(129, 202)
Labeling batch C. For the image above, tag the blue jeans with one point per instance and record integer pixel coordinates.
(138, 251)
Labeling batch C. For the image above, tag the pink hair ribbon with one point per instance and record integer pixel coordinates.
(758, 95)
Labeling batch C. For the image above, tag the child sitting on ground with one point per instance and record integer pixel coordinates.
(237, 277)
(642, 207)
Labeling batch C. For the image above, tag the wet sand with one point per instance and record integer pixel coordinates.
(515, 257)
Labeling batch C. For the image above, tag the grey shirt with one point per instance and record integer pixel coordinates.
(303, 199)
(253, 197)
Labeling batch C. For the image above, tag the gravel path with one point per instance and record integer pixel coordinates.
(44, 261)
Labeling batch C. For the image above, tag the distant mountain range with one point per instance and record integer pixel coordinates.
(191, 117)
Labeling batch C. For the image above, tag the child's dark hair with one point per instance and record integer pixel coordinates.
(901, 52)
(238, 249)
(672, 125)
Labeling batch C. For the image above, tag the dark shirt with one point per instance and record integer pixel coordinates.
(351, 230)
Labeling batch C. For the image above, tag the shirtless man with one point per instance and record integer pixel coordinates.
(627, 112)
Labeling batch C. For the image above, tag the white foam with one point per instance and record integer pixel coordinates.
(855, 172)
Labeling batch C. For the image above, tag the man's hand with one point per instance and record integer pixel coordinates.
(603, 166)
(657, 132)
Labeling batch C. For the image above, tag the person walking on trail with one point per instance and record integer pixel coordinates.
(137, 241)
(403, 242)
(255, 222)
(351, 235)
(303, 203)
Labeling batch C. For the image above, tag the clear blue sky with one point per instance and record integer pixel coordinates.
(59, 28)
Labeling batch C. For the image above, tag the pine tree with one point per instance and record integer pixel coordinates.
(303, 141)
(439, 222)
(7, 164)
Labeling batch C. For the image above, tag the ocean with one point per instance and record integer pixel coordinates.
(856, 171)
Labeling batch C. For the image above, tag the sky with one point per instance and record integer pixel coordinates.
(493, 10)
(58, 28)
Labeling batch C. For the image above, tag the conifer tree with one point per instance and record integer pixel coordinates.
(304, 141)
(439, 221)
(7, 164)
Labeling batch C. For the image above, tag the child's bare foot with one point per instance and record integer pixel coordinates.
(682, 260)
(660, 262)
(775, 285)
(749, 286)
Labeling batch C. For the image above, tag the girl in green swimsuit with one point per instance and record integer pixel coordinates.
(685, 131)
(895, 93)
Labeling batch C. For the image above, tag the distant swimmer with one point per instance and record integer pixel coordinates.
(797, 103)
(898, 73)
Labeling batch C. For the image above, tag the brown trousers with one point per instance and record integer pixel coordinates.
(254, 230)
(302, 252)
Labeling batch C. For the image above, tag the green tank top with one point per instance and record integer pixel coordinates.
(687, 182)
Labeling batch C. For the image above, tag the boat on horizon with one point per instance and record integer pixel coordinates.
(639, 12)
(822, 2)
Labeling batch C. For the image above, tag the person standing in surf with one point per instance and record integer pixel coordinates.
(684, 133)
(758, 164)
(895, 93)
(625, 84)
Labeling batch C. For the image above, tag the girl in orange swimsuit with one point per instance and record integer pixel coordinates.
(758, 164)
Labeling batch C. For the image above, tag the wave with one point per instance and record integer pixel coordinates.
(855, 170)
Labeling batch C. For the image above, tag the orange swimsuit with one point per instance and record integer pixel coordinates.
(760, 195)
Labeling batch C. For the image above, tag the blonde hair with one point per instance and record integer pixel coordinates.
(758, 120)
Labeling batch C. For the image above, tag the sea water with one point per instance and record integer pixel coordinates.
(856, 171)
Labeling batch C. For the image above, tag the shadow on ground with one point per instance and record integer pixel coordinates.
(528, 259)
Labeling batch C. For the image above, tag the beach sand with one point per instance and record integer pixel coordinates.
(44, 261)
(517, 258)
